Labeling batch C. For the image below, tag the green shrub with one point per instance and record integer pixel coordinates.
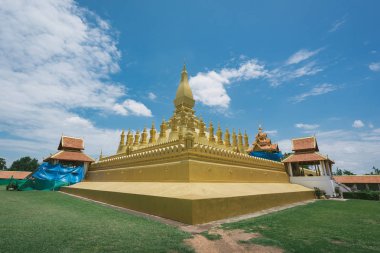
(319, 193)
(367, 195)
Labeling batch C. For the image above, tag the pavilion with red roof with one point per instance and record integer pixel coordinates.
(306, 154)
(70, 153)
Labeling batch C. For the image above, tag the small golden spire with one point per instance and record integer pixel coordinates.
(122, 138)
(129, 138)
(227, 138)
(211, 137)
(240, 141)
(234, 138)
(219, 134)
(137, 138)
(144, 136)
(246, 141)
(152, 138)
(163, 129)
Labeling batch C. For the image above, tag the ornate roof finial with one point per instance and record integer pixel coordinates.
(163, 129)
(184, 95)
(129, 138)
(211, 137)
(227, 138)
(219, 134)
(152, 138)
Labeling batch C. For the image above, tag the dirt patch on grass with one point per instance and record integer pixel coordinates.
(229, 242)
(336, 241)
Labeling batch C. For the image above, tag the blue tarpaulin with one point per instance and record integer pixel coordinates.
(277, 156)
(51, 177)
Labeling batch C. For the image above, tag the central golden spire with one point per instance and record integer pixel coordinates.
(184, 94)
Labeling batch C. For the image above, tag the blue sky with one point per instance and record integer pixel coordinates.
(92, 68)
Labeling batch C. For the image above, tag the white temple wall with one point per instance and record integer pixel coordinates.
(322, 182)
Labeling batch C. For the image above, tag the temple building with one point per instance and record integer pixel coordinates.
(188, 171)
(308, 167)
(306, 154)
(70, 153)
(263, 143)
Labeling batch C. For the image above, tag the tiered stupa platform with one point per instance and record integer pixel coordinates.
(186, 174)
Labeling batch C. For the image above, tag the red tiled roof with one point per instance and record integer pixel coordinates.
(307, 143)
(305, 157)
(70, 156)
(15, 174)
(71, 143)
(367, 179)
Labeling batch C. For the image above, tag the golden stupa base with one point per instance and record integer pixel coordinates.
(192, 203)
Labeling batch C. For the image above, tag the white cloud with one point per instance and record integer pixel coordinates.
(307, 70)
(358, 124)
(316, 91)
(375, 66)
(132, 107)
(301, 55)
(209, 88)
(291, 69)
(152, 96)
(306, 126)
(56, 59)
(370, 125)
(337, 24)
(349, 150)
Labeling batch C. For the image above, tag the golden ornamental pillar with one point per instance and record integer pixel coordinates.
(240, 142)
(163, 129)
(202, 129)
(219, 134)
(152, 138)
(227, 142)
(211, 137)
(122, 142)
(129, 138)
(137, 138)
(234, 138)
(144, 137)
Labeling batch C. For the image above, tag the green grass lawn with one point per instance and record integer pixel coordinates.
(323, 226)
(36, 221)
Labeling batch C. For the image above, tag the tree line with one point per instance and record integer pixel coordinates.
(340, 172)
(25, 163)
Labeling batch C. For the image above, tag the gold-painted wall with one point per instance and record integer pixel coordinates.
(190, 171)
(193, 211)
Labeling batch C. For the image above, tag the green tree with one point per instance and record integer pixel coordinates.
(25, 164)
(3, 164)
(376, 171)
(338, 172)
(347, 172)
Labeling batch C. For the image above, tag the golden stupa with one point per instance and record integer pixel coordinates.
(186, 173)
